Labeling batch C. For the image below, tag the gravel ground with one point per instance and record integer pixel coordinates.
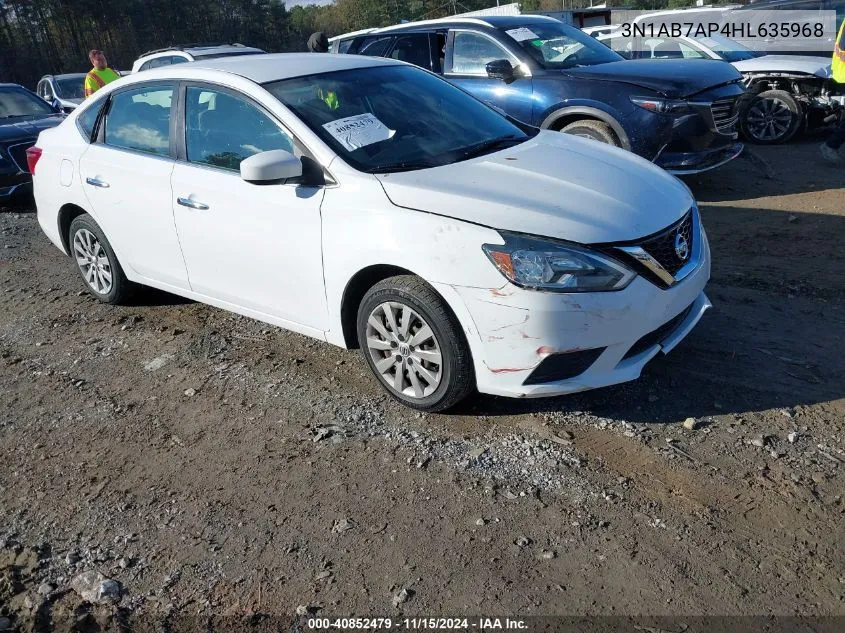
(170, 462)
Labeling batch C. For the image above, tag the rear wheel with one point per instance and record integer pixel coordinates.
(771, 117)
(96, 262)
(414, 345)
(595, 130)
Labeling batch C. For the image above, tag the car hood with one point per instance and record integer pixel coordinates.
(819, 66)
(26, 127)
(673, 78)
(553, 185)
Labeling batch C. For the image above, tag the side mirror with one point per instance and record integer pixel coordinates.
(271, 166)
(500, 69)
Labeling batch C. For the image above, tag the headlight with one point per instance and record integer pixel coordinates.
(545, 265)
(662, 106)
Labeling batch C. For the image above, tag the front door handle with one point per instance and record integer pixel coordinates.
(96, 182)
(192, 204)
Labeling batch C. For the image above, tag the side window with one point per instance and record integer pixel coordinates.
(222, 129)
(177, 59)
(140, 120)
(146, 65)
(88, 119)
(472, 52)
(375, 47)
(343, 45)
(414, 49)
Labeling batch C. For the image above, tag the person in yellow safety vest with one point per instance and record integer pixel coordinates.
(319, 43)
(99, 75)
(830, 148)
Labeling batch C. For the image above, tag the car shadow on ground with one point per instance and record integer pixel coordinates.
(153, 298)
(772, 340)
(771, 170)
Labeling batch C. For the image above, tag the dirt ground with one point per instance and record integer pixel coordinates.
(215, 467)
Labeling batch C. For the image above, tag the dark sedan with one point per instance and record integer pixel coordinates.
(22, 117)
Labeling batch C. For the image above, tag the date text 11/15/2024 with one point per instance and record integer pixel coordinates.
(414, 624)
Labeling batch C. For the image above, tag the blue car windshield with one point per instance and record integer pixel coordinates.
(555, 45)
(15, 103)
(396, 118)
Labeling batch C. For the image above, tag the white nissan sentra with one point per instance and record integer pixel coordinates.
(367, 202)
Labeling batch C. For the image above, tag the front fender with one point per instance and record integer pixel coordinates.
(588, 110)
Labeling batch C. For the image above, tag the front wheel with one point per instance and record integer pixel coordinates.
(771, 117)
(414, 345)
(595, 130)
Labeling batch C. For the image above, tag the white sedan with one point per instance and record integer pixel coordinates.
(366, 202)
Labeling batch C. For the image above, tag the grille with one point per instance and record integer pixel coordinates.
(18, 154)
(655, 336)
(724, 114)
(662, 247)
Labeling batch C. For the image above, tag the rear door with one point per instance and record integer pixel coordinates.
(126, 178)
(467, 54)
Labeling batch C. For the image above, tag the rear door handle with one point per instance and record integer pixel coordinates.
(192, 204)
(96, 182)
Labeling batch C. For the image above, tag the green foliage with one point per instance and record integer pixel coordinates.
(54, 36)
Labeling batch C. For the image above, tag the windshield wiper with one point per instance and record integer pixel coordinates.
(403, 166)
(485, 147)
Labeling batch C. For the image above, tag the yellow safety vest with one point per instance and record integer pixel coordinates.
(96, 79)
(838, 64)
(329, 98)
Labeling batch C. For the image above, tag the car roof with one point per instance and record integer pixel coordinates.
(351, 34)
(492, 21)
(10, 86)
(64, 75)
(203, 49)
(274, 67)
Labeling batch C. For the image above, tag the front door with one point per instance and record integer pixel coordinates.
(126, 178)
(467, 56)
(256, 246)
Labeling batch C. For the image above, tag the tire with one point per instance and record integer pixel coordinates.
(771, 117)
(424, 384)
(87, 240)
(595, 130)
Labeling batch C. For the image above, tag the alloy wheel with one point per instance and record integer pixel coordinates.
(92, 261)
(404, 350)
(769, 119)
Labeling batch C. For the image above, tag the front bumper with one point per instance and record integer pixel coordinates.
(515, 330)
(684, 163)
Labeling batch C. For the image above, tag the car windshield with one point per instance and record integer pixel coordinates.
(16, 103)
(556, 45)
(71, 87)
(396, 118)
(728, 49)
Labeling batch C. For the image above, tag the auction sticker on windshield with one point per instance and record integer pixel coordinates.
(358, 131)
(521, 34)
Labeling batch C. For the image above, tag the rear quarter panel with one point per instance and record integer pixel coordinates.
(56, 180)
